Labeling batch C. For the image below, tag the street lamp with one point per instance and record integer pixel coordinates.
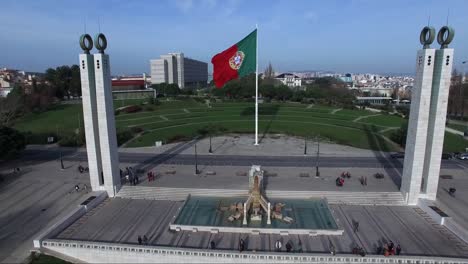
(209, 132)
(210, 150)
(305, 146)
(60, 151)
(317, 172)
(196, 161)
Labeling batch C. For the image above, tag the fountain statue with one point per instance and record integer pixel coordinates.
(256, 203)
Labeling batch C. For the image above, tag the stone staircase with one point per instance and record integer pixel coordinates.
(333, 197)
(347, 198)
(174, 194)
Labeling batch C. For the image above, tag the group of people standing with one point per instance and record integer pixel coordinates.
(130, 176)
(278, 246)
(150, 175)
(390, 249)
(142, 241)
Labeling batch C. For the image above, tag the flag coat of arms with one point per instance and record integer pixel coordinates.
(237, 61)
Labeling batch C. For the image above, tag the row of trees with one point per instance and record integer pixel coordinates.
(326, 90)
(56, 84)
(458, 94)
(64, 81)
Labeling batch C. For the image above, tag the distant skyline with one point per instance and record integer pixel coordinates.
(333, 35)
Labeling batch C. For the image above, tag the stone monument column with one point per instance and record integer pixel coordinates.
(88, 90)
(437, 114)
(105, 113)
(418, 119)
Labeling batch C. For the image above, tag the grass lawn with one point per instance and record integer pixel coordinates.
(175, 120)
(461, 128)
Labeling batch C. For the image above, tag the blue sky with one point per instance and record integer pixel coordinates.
(344, 36)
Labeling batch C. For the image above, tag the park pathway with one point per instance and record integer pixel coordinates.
(387, 129)
(366, 116)
(335, 110)
(454, 131)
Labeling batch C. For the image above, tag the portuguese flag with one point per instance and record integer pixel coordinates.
(237, 61)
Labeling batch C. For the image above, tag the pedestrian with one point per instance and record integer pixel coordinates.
(139, 240)
(77, 188)
(385, 250)
(355, 226)
(299, 247)
(452, 191)
(212, 244)
(332, 249)
(121, 172)
(145, 240)
(85, 187)
(288, 247)
(278, 245)
(148, 175)
(241, 245)
(365, 180)
(391, 246)
(398, 249)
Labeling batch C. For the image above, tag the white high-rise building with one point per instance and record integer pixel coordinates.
(175, 68)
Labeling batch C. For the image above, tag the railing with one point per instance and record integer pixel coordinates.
(245, 257)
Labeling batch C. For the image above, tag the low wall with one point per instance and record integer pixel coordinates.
(424, 205)
(69, 219)
(95, 252)
(458, 230)
(252, 230)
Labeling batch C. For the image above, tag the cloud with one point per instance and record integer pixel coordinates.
(184, 5)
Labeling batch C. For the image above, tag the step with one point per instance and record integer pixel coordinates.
(362, 198)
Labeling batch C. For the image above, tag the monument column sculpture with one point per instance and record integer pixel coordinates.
(437, 114)
(88, 91)
(418, 119)
(105, 113)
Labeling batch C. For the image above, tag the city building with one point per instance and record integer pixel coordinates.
(178, 69)
(126, 83)
(373, 100)
(289, 79)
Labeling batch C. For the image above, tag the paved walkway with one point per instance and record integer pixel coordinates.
(335, 110)
(454, 131)
(366, 116)
(271, 145)
(123, 220)
(34, 200)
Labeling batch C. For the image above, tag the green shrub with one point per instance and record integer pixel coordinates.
(123, 136)
(72, 140)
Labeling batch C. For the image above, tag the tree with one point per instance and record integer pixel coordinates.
(167, 89)
(12, 142)
(269, 75)
(10, 107)
(64, 81)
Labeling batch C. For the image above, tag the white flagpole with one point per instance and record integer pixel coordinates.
(256, 88)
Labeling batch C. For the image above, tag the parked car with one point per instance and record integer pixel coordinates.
(463, 156)
(447, 156)
(398, 155)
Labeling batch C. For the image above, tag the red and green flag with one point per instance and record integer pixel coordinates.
(237, 61)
